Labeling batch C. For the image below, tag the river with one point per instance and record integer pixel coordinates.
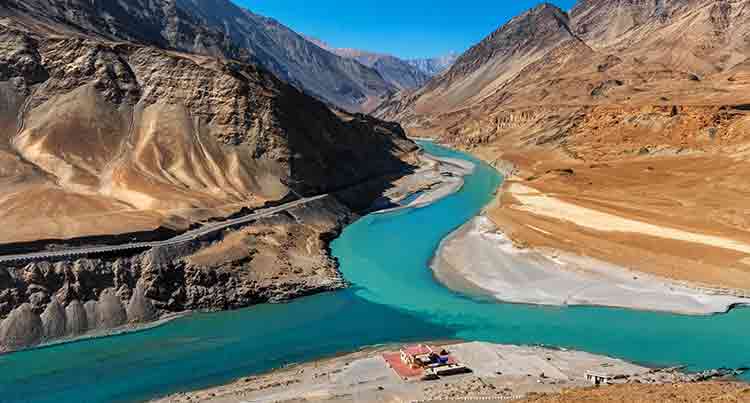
(393, 298)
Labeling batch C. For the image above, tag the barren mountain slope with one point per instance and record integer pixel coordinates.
(149, 136)
(697, 36)
(210, 27)
(634, 108)
(160, 23)
(486, 66)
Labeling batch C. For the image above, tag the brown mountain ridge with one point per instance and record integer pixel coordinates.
(644, 101)
(212, 28)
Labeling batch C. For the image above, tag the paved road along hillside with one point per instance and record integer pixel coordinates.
(186, 237)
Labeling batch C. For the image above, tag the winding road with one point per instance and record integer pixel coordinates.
(185, 237)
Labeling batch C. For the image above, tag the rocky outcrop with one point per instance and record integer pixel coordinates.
(140, 309)
(274, 259)
(90, 309)
(22, 328)
(109, 311)
(54, 321)
(19, 58)
(76, 322)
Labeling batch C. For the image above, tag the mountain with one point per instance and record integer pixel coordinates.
(112, 133)
(645, 52)
(213, 27)
(700, 36)
(395, 71)
(487, 66)
(434, 65)
(182, 131)
(626, 109)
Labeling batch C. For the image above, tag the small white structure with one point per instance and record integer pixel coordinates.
(599, 378)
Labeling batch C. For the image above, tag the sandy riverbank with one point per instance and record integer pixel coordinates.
(436, 179)
(479, 258)
(498, 371)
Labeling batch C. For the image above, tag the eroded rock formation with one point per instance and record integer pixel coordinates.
(21, 328)
(276, 258)
(76, 322)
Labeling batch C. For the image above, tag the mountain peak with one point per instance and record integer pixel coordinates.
(536, 24)
(541, 27)
(547, 6)
(542, 13)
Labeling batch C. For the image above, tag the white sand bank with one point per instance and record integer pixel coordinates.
(436, 179)
(479, 256)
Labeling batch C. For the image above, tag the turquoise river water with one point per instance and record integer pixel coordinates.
(393, 298)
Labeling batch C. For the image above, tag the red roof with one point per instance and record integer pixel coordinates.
(418, 349)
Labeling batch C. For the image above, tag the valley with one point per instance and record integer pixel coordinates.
(192, 193)
(392, 297)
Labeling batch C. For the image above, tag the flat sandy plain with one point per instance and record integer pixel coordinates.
(499, 371)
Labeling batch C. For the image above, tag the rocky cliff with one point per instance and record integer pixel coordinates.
(273, 259)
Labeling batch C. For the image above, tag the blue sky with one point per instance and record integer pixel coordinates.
(405, 28)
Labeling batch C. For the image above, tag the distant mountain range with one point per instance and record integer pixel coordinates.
(435, 65)
(356, 81)
(403, 74)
